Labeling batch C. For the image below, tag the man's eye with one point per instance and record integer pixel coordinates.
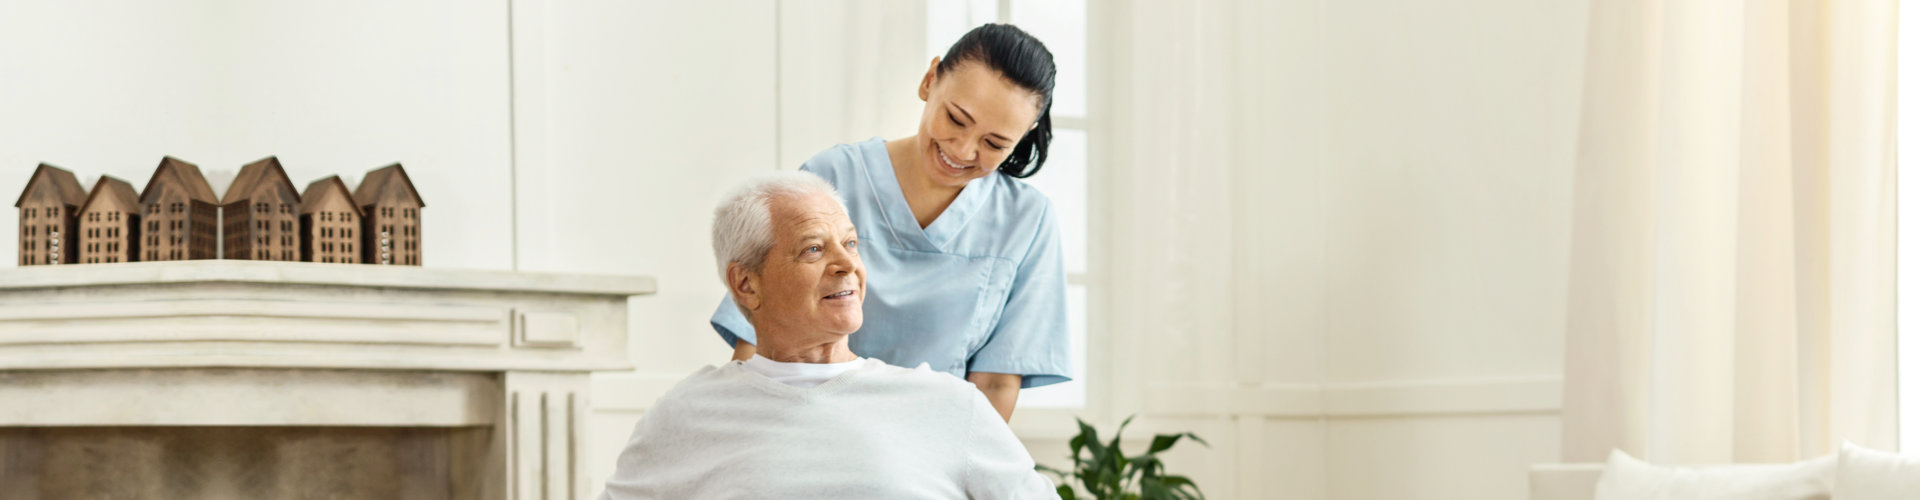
(813, 249)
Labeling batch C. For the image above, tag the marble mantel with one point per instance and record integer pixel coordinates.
(498, 360)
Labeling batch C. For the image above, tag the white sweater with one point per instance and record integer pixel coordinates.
(877, 431)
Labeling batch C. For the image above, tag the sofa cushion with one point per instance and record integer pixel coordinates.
(1628, 478)
(1867, 474)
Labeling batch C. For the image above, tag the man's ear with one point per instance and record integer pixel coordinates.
(745, 286)
(926, 82)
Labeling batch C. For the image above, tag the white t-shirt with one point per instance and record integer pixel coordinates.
(798, 374)
(872, 431)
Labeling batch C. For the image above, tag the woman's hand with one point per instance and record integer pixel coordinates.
(1002, 389)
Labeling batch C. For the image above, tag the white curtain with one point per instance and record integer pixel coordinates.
(1732, 256)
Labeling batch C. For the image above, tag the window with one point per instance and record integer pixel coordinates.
(1062, 26)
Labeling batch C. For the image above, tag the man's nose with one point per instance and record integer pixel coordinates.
(843, 261)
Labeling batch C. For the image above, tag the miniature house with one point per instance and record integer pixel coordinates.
(393, 216)
(179, 213)
(110, 223)
(47, 207)
(259, 214)
(329, 222)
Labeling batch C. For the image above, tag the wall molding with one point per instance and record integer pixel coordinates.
(1497, 395)
(1540, 394)
(530, 129)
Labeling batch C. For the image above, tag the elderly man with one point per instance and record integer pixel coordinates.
(805, 417)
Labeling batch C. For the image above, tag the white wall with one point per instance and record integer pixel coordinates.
(1363, 299)
(101, 87)
(1390, 183)
(1449, 171)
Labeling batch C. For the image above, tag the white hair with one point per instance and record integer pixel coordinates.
(743, 223)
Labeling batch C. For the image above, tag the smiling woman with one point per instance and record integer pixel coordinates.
(964, 258)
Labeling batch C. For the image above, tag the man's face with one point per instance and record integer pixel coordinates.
(813, 281)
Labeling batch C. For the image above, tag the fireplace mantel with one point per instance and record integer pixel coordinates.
(241, 344)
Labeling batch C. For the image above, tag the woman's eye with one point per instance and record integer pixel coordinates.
(813, 249)
(996, 147)
(853, 243)
(956, 121)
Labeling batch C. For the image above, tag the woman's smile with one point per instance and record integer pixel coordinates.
(951, 167)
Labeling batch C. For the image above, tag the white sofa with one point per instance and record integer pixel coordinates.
(1855, 473)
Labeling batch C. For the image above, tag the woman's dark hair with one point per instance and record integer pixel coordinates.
(1023, 60)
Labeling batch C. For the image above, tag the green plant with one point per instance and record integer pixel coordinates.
(1108, 474)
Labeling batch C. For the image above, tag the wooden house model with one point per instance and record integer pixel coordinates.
(392, 207)
(179, 213)
(330, 222)
(47, 216)
(110, 223)
(260, 215)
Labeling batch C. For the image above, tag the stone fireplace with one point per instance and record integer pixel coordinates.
(241, 379)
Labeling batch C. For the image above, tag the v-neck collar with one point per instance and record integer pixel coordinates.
(899, 215)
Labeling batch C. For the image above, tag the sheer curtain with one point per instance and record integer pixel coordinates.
(1732, 273)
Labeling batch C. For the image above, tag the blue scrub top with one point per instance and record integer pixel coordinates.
(982, 289)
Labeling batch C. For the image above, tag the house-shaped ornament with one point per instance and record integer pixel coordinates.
(110, 223)
(179, 210)
(329, 222)
(260, 214)
(47, 207)
(392, 207)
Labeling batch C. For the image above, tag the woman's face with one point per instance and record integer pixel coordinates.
(974, 117)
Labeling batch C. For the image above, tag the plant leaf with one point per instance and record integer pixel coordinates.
(1091, 438)
(1181, 487)
(1164, 441)
(1202, 442)
(1065, 491)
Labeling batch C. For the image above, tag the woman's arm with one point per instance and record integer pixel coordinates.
(743, 351)
(1002, 389)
